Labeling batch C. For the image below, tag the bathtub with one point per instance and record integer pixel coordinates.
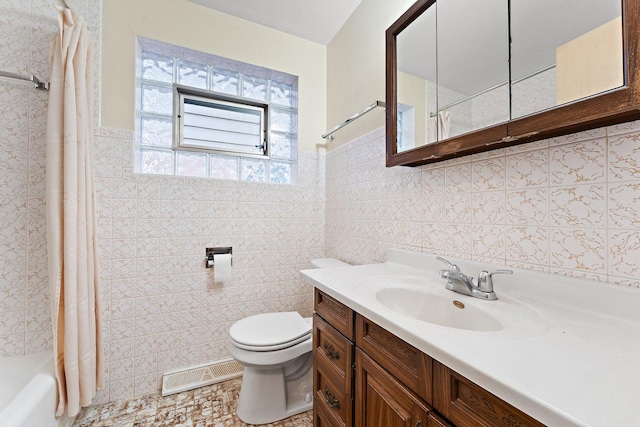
(28, 392)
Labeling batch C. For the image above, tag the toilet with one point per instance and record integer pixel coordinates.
(276, 352)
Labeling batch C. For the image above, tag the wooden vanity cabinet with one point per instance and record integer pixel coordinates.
(333, 362)
(405, 362)
(468, 405)
(333, 373)
(382, 400)
(365, 376)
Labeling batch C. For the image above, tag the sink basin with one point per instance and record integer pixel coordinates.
(438, 309)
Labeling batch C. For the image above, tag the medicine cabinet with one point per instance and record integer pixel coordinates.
(464, 76)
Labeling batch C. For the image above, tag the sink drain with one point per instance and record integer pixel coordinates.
(458, 304)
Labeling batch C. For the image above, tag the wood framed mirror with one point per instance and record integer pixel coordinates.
(463, 77)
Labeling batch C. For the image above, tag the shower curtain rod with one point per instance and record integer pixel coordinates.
(39, 84)
(475, 95)
(329, 135)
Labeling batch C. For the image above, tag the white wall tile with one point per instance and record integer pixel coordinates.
(527, 245)
(624, 205)
(527, 169)
(624, 157)
(559, 209)
(579, 162)
(579, 249)
(582, 205)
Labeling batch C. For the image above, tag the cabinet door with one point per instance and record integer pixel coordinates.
(381, 401)
(405, 362)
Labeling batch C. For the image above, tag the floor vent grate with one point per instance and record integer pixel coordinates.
(199, 376)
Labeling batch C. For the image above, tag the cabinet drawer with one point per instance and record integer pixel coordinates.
(466, 404)
(435, 421)
(330, 396)
(412, 367)
(333, 348)
(320, 419)
(337, 314)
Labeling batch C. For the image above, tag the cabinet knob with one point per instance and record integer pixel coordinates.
(330, 351)
(330, 399)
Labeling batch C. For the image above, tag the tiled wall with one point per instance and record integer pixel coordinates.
(568, 205)
(164, 309)
(26, 27)
(161, 308)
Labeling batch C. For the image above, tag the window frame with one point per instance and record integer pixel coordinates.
(180, 93)
(160, 65)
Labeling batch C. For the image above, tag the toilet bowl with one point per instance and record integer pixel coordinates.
(276, 352)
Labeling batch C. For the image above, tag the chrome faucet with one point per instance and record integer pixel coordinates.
(463, 284)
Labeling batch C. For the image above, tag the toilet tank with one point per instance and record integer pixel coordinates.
(327, 263)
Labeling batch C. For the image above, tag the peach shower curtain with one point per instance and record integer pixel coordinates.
(71, 217)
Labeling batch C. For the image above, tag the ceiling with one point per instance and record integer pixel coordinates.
(318, 21)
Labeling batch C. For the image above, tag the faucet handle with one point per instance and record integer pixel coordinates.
(450, 265)
(485, 280)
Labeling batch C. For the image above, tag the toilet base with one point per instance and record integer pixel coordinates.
(266, 396)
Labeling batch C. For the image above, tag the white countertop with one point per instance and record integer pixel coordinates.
(568, 353)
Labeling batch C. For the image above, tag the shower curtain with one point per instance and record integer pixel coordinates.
(71, 217)
(438, 126)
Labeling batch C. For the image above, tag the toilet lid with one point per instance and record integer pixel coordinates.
(270, 331)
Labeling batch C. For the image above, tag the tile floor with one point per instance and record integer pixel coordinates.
(208, 406)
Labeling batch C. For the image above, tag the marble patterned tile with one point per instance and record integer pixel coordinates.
(624, 256)
(489, 174)
(626, 127)
(624, 157)
(582, 205)
(15, 5)
(14, 161)
(11, 344)
(488, 241)
(38, 341)
(527, 207)
(578, 249)
(577, 137)
(458, 209)
(15, 35)
(456, 238)
(12, 322)
(531, 146)
(528, 169)
(14, 138)
(527, 245)
(624, 205)
(458, 178)
(579, 274)
(578, 163)
(488, 208)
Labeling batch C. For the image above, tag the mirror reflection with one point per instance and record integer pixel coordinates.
(417, 81)
(562, 51)
(454, 63)
(473, 65)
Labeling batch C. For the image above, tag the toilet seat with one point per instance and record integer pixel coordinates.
(270, 331)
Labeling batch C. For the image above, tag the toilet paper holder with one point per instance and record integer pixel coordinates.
(210, 252)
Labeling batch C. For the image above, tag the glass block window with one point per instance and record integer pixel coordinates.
(236, 120)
